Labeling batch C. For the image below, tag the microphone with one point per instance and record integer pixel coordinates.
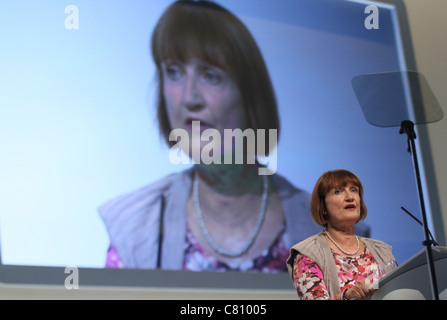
(420, 222)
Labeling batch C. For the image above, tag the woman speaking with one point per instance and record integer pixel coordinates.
(337, 264)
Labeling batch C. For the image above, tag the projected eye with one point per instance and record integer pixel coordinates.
(173, 71)
(212, 76)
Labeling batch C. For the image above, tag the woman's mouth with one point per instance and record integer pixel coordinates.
(198, 125)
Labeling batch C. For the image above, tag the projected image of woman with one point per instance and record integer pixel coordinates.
(214, 217)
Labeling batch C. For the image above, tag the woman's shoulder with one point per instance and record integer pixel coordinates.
(381, 251)
(309, 243)
(141, 199)
(310, 247)
(376, 243)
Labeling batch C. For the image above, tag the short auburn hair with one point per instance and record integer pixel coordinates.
(209, 32)
(328, 181)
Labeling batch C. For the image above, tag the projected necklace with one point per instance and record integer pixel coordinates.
(205, 231)
(347, 253)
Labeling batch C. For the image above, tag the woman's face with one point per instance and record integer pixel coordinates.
(343, 205)
(197, 91)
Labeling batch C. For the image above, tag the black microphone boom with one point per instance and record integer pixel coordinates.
(420, 222)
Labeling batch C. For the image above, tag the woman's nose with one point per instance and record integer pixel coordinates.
(349, 196)
(191, 96)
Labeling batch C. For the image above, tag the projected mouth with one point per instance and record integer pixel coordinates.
(197, 123)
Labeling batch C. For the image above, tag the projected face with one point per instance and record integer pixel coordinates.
(197, 91)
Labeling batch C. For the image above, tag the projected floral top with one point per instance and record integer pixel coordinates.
(308, 277)
(272, 260)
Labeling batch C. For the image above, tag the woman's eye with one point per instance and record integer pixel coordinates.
(173, 72)
(212, 77)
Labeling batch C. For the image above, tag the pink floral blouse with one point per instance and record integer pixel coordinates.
(272, 260)
(309, 281)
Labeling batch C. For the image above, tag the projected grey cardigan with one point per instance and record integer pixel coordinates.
(148, 227)
(317, 249)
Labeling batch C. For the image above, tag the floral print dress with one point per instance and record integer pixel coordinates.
(309, 281)
(271, 260)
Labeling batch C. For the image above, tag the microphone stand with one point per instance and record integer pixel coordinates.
(420, 222)
(407, 127)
